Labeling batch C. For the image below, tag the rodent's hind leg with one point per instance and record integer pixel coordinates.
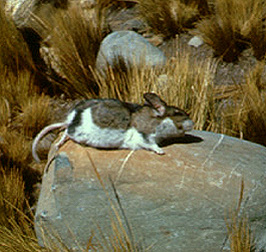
(62, 140)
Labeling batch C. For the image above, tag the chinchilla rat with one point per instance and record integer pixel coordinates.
(110, 123)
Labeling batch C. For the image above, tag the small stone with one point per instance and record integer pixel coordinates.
(196, 42)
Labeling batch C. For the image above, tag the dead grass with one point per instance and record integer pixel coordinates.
(75, 37)
(16, 228)
(14, 149)
(16, 89)
(14, 53)
(233, 28)
(239, 231)
(24, 114)
(241, 238)
(34, 115)
(168, 18)
(244, 112)
(258, 41)
(125, 81)
(11, 195)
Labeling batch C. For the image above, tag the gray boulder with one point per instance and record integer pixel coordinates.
(132, 47)
(175, 202)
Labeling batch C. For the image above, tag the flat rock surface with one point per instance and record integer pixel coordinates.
(175, 202)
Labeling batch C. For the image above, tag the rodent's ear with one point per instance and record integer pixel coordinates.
(156, 102)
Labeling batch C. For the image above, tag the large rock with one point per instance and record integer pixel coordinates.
(175, 202)
(130, 46)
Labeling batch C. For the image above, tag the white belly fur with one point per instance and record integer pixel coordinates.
(90, 134)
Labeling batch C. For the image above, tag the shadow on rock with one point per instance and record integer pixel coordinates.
(187, 139)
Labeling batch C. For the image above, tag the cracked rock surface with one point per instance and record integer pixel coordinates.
(175, 202)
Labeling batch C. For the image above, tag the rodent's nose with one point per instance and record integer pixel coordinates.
(188, 125)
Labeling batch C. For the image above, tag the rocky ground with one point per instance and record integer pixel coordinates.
(226, 74)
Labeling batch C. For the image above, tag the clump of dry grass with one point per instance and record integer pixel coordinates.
(15, 240)
(16, 89)
(11, 195)
(14, 149)
(34, 115)
(14, 53)
(238, 228)
(253, 108)
(24, 114)
(73, 43)
(126, 81)
(241, 239)
(230, 30)
(244, 113)
(16, 228)
(5, 113)
(168, 18)
(257, 38)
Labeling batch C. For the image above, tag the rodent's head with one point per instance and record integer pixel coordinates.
(172, 121)
(175, 123)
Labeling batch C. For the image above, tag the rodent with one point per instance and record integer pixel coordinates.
(111, 123)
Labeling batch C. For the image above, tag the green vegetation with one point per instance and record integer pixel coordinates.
(227, 26)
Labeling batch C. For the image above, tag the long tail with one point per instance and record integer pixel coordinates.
(42, 134)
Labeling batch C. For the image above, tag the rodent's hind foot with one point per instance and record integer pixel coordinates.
(62, 140)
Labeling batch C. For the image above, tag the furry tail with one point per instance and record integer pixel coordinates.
(42, 134)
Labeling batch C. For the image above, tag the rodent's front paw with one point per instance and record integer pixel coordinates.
(159, 151)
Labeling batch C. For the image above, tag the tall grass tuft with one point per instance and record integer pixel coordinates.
(168, 18)
(244, 113)
(16, 228)
(231, 28)
(14, 149)
(11, 195)
(239, 231)
(16, 88)
(34, 115)
(14, 52)
(75, 37)
(253, 108)
(24, 114)
(257, 38)
(126, 81)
